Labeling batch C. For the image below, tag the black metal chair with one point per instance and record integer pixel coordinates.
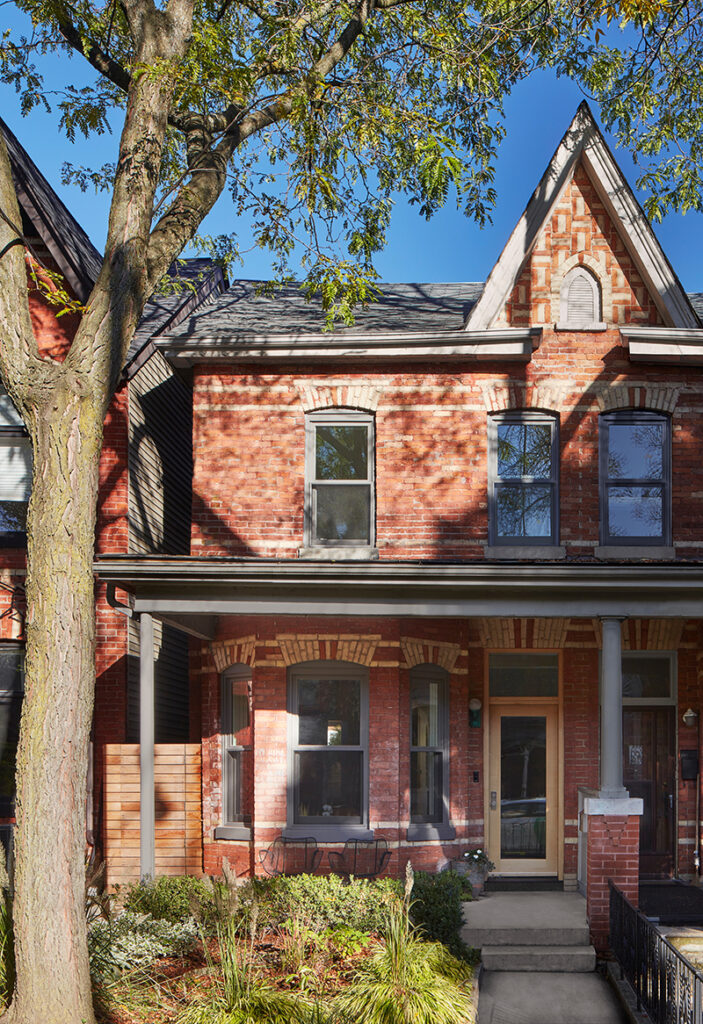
(291, 856)
(362, 858)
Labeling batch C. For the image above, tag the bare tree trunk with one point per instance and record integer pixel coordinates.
(53, 984)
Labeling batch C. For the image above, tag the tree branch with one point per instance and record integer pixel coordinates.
(94, 54)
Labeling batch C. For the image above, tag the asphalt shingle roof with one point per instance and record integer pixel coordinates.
(243, 311)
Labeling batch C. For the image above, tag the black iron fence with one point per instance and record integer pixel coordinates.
(666, 984)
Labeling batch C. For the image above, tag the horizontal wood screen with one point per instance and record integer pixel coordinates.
(179, 843)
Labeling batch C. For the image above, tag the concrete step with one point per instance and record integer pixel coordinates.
(563, 959)
(479, 938)
(526, 919)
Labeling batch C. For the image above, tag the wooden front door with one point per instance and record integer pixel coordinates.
(523, 789)
(649, 773)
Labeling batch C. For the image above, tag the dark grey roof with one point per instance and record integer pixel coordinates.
(202, 280)
(241, 310)
(696, 300)
(75, 255)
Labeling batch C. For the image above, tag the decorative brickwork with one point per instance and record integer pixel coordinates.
(579, 231)
(341, 396)
(332, 646)
(626, 395)
(421, 652)
(234, 652)
(499, 396)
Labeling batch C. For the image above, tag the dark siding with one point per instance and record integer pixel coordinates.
(160, 460)
(170, 683)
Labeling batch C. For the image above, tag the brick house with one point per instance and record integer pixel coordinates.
(438, 575)
(445, 572)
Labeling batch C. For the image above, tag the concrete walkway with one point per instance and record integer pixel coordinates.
(507, 997)
(539, 943)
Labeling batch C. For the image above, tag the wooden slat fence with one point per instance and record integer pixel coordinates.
(179, 844)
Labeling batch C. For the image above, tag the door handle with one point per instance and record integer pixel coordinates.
(671, 801)
(494, 799)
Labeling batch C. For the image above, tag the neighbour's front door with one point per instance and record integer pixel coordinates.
(649, 773)
(523, 789)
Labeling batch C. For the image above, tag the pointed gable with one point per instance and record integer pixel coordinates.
(583, 214)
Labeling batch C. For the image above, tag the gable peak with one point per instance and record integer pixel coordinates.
(583, 146)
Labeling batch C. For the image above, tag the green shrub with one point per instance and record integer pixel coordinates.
(173, 898)
(436, 907)
(326, 901)
(136, 940)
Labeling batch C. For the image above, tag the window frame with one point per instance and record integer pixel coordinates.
(233, 826)
(344, 418)
(13, 434)
(7, 802)
(672, 699)
(522, 416)
(633, 416)
(315, 827)
(420, 829)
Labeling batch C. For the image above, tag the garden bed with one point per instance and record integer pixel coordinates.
(309, 949)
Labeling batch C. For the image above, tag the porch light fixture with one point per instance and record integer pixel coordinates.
(475, 713)
(690, 717)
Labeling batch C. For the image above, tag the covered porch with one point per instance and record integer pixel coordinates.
(391, 618)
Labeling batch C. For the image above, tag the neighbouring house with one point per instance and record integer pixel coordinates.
(145, 481)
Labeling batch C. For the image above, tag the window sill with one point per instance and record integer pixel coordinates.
(422, 832)
(363, 553)
(328, 833)
(233, 832)
(637, 551)
(597, 325)
(551, 552)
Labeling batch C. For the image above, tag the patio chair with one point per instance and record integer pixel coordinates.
(291, 856)
(362, 858)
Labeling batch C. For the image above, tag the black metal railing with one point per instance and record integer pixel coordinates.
(666, 984)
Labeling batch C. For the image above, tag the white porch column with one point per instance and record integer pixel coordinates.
(611, 786)
(147, 814)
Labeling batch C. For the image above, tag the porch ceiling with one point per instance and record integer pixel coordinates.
(218, 586)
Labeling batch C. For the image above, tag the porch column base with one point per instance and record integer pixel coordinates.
(613, 847)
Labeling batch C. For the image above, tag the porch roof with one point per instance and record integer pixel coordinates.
(191, 591)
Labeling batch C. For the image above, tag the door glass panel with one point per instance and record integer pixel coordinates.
(523, 792)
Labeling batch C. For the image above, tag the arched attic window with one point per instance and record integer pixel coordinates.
(580, 307)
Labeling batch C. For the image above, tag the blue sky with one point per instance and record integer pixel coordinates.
(448, 248)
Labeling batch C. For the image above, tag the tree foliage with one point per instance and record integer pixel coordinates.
(315, 115)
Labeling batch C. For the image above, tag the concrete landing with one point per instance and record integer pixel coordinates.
(541, 998)
(526, 919)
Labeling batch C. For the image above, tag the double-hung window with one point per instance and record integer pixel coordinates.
(328, 749)
(236, 753)
(339, 480)
(523, 476)
(429, 754)
(635, 478)
(15, 469)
